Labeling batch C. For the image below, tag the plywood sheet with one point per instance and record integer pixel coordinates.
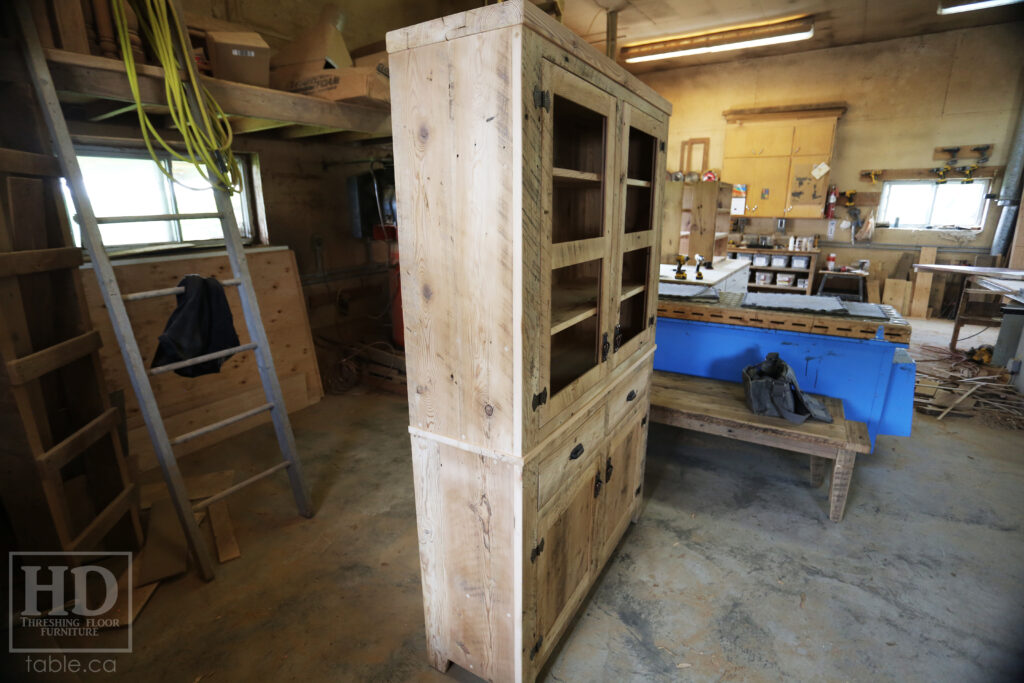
(237, 387)
(897, 295)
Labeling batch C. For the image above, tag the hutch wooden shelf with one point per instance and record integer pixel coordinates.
(529, 181)
(798, 273)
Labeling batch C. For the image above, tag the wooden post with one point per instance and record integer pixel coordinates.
(922, 285)
(842, 472)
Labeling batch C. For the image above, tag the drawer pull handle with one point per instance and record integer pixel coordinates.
(608, 470)
(577, 451)
(631, 395)
(597, 484)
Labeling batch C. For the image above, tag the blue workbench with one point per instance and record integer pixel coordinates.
(873, 377)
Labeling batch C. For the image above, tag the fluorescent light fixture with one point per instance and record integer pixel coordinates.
(721, 41)
(957, 6)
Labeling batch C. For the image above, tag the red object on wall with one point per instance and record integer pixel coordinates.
(830, 206)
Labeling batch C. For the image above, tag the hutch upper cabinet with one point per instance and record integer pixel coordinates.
(529, 174)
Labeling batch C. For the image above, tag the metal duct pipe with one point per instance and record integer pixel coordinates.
(1009, 193)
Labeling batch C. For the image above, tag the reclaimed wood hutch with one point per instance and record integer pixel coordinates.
(529, 173)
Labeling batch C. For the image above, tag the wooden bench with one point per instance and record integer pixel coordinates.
(716, 407)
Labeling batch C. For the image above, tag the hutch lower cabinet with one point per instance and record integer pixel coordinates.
(529, 174)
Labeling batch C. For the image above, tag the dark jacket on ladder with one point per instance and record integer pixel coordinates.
(201, 324)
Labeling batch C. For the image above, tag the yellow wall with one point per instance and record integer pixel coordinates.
(905, 98)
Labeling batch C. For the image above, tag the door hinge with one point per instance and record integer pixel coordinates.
(540, 399)
(597, 484)
(541, 98)
(536, 647)
(662, 145)
(604, 347)
(650, 321)
(638, 489)
(618, 336)
(643, 421)
(538, 549)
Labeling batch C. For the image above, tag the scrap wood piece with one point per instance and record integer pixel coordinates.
(874, 291)
(120, 615)
(198, 487)
(166, 552)
(223, 532)
(957, 402)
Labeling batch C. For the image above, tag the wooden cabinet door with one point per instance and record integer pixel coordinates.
(741, 171)
(578, 184)
(563, 560)
(766, 196)
(620, 485)
(814, 136)
(634, 287)
(806, 195)
(758, 139)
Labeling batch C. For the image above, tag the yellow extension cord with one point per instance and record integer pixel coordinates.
(207, 142)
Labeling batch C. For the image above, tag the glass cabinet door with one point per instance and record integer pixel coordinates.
(577, 200)
(641, 154)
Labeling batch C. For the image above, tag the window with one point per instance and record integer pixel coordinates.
(927, 204)
(125, 183)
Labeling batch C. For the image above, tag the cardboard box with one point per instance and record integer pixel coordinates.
(321, 46)
(239, 56)
(357, 84)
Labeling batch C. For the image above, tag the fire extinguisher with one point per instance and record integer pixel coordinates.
(830, 206)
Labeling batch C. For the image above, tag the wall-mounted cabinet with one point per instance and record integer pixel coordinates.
(774, 159)
(529, 172)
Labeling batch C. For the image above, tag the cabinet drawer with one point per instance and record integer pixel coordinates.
(630, 392)
(562, 464)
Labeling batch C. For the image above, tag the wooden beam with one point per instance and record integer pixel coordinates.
(296, 132)
(28, 163)
(793, 111)
(39, 260)
(244, 124)
(928, 174)
(105, 78)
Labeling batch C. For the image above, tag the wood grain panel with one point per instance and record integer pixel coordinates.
(184, 401)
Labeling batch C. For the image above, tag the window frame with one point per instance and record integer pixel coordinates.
(884, 199)
(251, 226)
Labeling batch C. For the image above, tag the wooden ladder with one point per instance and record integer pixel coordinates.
(114, 300)
(64, 421)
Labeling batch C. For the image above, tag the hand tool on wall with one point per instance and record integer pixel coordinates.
(953, 153)
(942, 173)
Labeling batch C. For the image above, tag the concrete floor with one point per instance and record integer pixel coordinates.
(733, 573)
